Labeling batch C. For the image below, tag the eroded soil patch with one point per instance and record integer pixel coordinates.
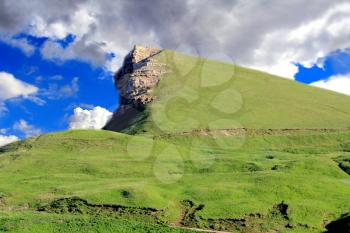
(276, 220)
(253, 132)
(76, 205)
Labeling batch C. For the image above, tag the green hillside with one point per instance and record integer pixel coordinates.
(104, 167)
(222, 148)
(200, 93)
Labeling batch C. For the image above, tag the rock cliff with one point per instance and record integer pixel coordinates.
(139, 73)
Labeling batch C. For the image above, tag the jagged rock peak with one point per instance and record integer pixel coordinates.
(138, 75)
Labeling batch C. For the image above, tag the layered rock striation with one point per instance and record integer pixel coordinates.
(139, 73)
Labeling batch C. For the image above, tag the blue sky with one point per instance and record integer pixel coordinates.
(63, 86)
(57, 58)
(335, 63)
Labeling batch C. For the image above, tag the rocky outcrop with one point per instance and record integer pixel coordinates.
(135, 80)
(138, 75)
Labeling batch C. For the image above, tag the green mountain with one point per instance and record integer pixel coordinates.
(200, 144)
(196, 93)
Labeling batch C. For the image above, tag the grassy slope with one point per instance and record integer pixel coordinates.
(100, 166)
(200, 92)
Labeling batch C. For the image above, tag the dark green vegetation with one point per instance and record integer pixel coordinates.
(33, 223)
(241, 152)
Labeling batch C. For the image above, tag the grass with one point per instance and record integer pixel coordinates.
(107, 168)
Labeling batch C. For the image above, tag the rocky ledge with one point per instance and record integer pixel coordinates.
(139, 73)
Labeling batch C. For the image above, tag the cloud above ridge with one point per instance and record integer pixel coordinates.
(268, 35)
(95, 118)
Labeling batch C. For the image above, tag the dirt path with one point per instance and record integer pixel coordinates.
(180, 219)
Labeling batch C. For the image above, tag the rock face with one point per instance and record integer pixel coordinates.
(138, 75)
(134, 80)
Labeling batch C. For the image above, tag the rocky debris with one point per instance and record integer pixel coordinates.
(135, 80)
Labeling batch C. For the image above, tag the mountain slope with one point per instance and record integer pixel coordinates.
(229, 96)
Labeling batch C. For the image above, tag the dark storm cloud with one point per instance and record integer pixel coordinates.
(16, 15)
(8, 19)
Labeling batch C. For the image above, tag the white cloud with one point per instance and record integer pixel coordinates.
(39, 27)
(10, 87)
(4, 140)
(339, 83)
(305, 43)
(95, 118)
(27, 129)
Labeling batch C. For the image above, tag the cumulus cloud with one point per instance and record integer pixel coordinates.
(4, 140)
(269, 34)
(339, 83)
(10, 87)
(27, 129)
(95, 118)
